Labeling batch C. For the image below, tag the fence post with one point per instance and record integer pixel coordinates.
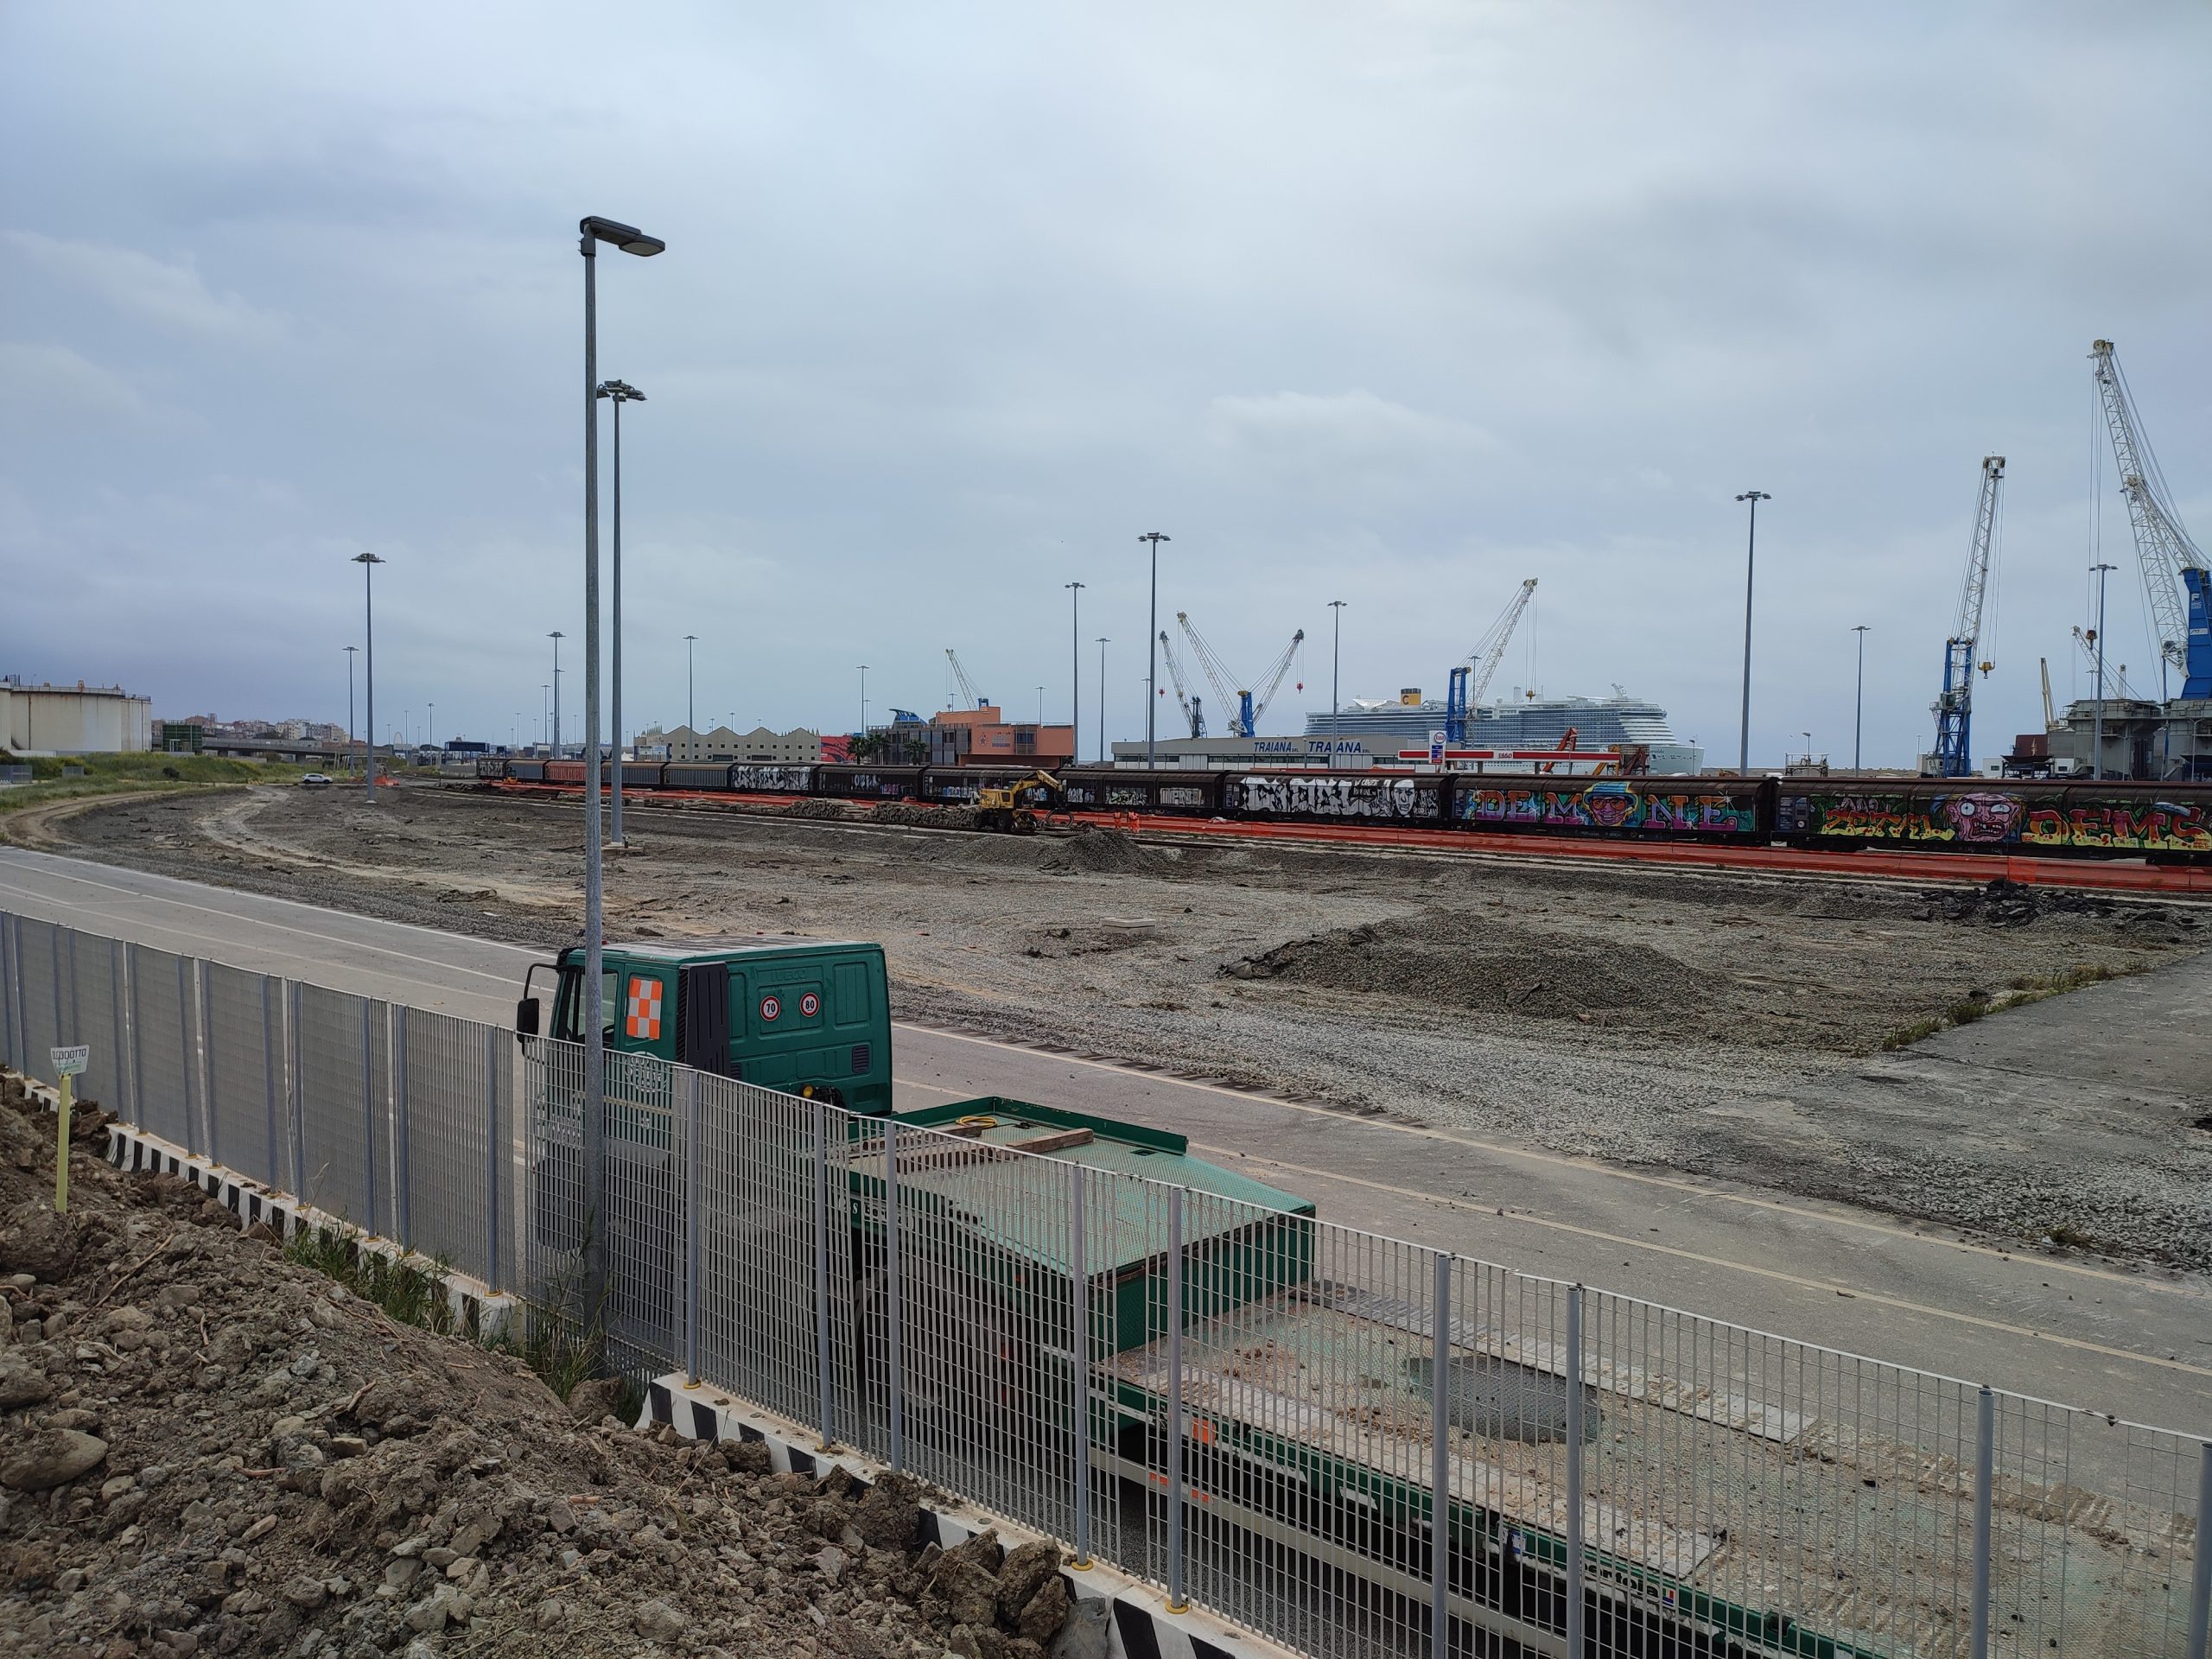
(402, 1208)
(369, 1113)
(270, 1057)
(1177, 1602)
(7, 989)
(1079, 1344)
(1574, 1472)
(137, 1037)
(207, 1080)
(296, 1084)
(189, 1060)
(822, 1268)
(1439, 1464)
(1985, 1475)
(2200, 1591)
(894, 1370)
(691, 1225)
(125, 1085)
(495, 1155)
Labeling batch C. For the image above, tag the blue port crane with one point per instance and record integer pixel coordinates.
(1249, 706)
(1954, 705)
(1193, 710)
(1471, 678)
(2175, 579)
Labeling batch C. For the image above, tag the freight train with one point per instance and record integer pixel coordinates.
(2162, 823)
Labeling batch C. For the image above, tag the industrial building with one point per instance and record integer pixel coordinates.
(76, 719)
(798, 746)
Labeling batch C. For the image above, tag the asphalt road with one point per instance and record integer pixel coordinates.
(2136, 1345)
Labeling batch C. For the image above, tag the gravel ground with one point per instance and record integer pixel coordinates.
(211, 1449)
(1661, 1017)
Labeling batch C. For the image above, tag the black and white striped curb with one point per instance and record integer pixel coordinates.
(1137, 1623)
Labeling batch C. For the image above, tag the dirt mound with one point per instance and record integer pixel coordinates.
(2014, 904)
(1093, 851)
(212, 1449)
(922, 815)
(1469, 962)
(814, 808)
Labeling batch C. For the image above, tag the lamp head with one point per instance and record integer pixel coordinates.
(365, 558)
(621, 392)
(628, 237)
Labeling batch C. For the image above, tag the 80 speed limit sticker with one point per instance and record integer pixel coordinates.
(809, 1005)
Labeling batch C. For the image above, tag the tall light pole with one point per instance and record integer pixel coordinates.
(2097, 759)
(1336, 656)
(556, 636)
(544, 691)
(1102, 699)
(863, 700)
(1075, 660)
(1151, 647)
(1750, 553)
(594, 230)
(617, 392)
(368, 562)
(350, 650)
(1858, 702)
(690, 700)
(431, 738)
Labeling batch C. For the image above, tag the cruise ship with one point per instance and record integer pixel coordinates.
(1530, 723)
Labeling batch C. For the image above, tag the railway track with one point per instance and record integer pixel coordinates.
(2118, 877)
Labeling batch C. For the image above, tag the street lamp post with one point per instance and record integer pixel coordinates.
(350, 650)
(556, 636)
(594, 230)
(2097, 759)
(544, 691)
(1858, 701)
(617, 392)
(1336, 656)
(1075, 660)
(690, 700)
(431, 738)
(1102, 699)
(368, 562)
(1152, 647)
(1750, 553)
(863, 700)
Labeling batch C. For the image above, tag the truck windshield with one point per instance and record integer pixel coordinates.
(569, 1007)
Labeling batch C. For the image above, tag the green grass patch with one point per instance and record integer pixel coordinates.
(115, 774)
(2020, 990)
(409, 1294)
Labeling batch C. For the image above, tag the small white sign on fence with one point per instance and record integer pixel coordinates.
(71, 1062)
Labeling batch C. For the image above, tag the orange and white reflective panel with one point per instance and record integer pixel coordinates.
(643, 1019)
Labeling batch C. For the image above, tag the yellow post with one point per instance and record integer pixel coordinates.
(61, 1148)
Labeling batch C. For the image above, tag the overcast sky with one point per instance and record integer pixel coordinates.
(1397, 304)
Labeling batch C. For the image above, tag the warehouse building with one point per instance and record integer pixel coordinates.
(76, 719)
(798, 747)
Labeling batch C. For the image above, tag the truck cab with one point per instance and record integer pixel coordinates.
(793, 1014)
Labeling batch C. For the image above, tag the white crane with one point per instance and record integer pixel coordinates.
(1249, 706)
(2116, 683)
(1471, 677)
(969, 696)
(1954, 705)
(2176, 580)
(1194, 709)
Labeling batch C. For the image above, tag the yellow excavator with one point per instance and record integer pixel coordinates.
(1012, 807)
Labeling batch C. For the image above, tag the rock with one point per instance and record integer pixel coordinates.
(307, 1594)
(1023, 1574)
(659, 1622)
(746, 1457)
(1047, 1611)
(22, 1384)
(1084, 1635)
(965, 1586)
(35, 1241)
(598, 1397)
(50, 1457)
(830, 1561)
(891, 1514)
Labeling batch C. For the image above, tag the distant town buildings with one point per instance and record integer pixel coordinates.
(797, 747)
(76, 719)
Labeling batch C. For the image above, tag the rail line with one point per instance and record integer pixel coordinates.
(1871, 864)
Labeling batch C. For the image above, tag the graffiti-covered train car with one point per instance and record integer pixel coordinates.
(1671, 809)
(1370, 796)
(1166, 789)
(2097, 819)
(867, 783)
(762, 778)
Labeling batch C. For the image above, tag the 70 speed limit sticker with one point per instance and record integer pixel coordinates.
(770, 1008)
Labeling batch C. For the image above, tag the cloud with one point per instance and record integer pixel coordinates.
(58, 378)
(171, 296)
(1335, 432)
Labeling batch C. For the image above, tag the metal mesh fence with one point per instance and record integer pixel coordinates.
(164, 1045)
(1350, 1444)
(97, 973)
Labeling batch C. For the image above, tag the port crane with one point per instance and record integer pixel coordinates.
(1954, 705)
(1248, 706)
(1194, 709)
(2176, 580)
(1471, 678)
(969, 696)
(2116, 685)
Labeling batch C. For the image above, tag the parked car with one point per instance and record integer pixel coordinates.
(316, 780)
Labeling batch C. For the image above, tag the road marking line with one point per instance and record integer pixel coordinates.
(1584, 1166)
